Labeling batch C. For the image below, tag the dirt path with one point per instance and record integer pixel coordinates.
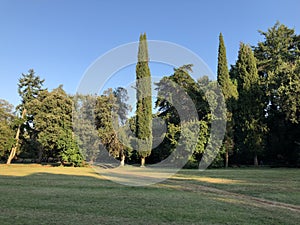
(231, 196)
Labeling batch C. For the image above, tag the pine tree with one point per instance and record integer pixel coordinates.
(279, 65)
(230, 93)
(249, 112)
(144, 101)
(29, 87)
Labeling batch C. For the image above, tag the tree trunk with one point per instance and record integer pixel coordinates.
(255, 160)
(142, 161)
(40, 156)
(226, 158)
(122, 163)
(17, 138)
(12, 154)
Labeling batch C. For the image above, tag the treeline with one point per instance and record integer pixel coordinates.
(260, 91)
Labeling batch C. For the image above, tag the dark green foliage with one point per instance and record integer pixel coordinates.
(261, 95)
(181, 78)
(278, 64)
(227, 86)
(230, 94)
(29, 87)
(52, 112)
(69, 151)
(216, 120)
(105, 106)
(182, 129)
(249, 111)
(110, 116)
(144, 100)
(192, 141)
(6, 127)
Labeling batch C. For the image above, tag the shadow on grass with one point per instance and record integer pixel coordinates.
(58, 195)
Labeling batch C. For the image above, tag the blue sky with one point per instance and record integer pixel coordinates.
(59, 39)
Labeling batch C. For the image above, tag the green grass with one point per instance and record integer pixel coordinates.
(57, 195)
(281, 185)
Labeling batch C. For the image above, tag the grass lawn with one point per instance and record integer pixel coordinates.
(33, 194)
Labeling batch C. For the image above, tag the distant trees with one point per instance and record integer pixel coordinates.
(261, 91)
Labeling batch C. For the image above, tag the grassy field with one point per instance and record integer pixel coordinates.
(33, 194)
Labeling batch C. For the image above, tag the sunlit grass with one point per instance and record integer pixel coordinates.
(33, 194)
(274, 184)
(30, 169)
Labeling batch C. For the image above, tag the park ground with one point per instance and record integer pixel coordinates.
(35, 194)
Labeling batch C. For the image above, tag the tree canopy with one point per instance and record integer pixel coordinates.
(261, 91)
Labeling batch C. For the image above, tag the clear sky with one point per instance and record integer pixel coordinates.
(59, 39)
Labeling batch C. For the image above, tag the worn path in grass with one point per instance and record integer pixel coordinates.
(66, 195)
(176, 182)
(191, 183)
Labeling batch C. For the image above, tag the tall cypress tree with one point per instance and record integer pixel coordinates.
(144, 101)
(227, 86)
(249, 112)
(230, 93)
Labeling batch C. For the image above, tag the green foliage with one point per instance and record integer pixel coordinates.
(261, 93)
(110, 115)
(180, 133)
(190, 138)
(249, 110)
(6, 127)
(105, 106)
(69, 150)
(29, 87)
(84, 126)
(229, 90)
(278, 64)
(123, 108)
(227, 86)
(52, 112)
(144, 100)
(181, 78)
